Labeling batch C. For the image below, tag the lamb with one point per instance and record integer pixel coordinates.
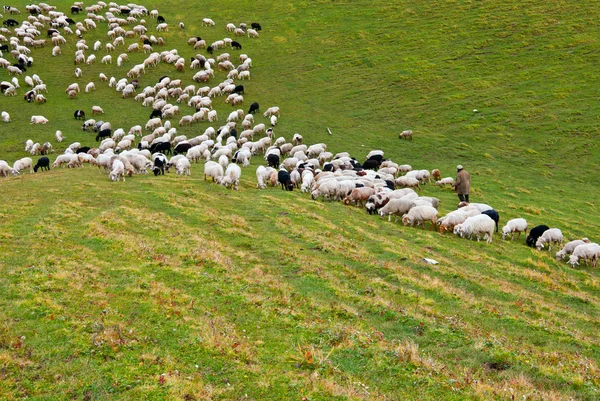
(213, 169)
(570, 247)
(476, 225)
(550, 236)
(359, 196)
(587, 252)
(534, 234)
(513, 226)
(420, 214)
(396, 207)
(118, 171)
(22, 164)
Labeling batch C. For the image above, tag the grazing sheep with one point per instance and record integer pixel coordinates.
(550, 236)
(5, 117)
(359, 196)
(182, 166)
(478, 225)
(22, 164)
(588, 252)
(451, 220)
(231, 177)
(494, 216)
(570, 247)
(419, 215)
(396, 207)
(534, 234)
(118, 171)
(213, 169)
(445, 181)
(513, 226)
(407, 182)
(406, 135)
(38, 120)
(42, 163)
(59, 136)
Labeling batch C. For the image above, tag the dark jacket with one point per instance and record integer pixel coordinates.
(463, 183)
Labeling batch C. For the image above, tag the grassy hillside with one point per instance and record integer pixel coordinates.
(175, 288)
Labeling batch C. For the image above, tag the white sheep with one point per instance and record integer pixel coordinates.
(212, 169)
(5, 169)
(550, 236)
(182, 166)
(22, 164)
(396, 207)
(479, 225)
(6, 117)
(231, 177)
(570, 247)
(445, 181)
(38, 120)
(513, 226)
(588, 252)
(90, 87)
(419, 215)
(408, 182)
(118, 171)
(449, 221)
(272, 111)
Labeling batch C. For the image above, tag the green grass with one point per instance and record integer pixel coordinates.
(176, 288)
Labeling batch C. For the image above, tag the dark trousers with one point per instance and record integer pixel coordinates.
(463, 198)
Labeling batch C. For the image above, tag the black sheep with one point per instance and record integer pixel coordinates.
(103, 134)
(10, 22)
(236, 45)
(147, 42)
(4, 48)
(71, 21)
(285, 180)
(273, 160)
(20, 66)
(210, 50)
(256, 26)
(494, 215)
(79, 115)
(239, 89)
(83, 149)
(371, 164)
(156, 113)
(4, 87)
(43, 162)
(378, 158)
(328, 167)
(162, 147)
(51, 32)
(160, 19)
(535, 233)
(159, 166)
(182, 148)
(233, 133)
(253, 108)
(75, 9)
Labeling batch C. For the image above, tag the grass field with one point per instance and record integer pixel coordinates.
(175, 288)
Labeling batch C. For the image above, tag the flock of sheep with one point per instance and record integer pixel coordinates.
(378, 184)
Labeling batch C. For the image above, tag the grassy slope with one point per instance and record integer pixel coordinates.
(273, 296)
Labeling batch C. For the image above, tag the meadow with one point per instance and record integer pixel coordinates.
(175, 288)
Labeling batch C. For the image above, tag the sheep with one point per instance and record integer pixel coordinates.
(231, 177)
(328, 190)
(445, 182)
(118, 171)
(449, 221)
(420, 214)
(59, 136)
(407, 182)
(6, 117)
(550, 236)
(213, 169)
(43, 162)
(5, 169)
(534, 234)
(476, 225)
(22, 164)
(494, 215)
(208, 22)
(406, 135)
(480, 206)
(182, 166)
(359, 196)
(396, 207)
(587, 252)
(570, 247)
(90, 87)
(38, 120)
(513, 226)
